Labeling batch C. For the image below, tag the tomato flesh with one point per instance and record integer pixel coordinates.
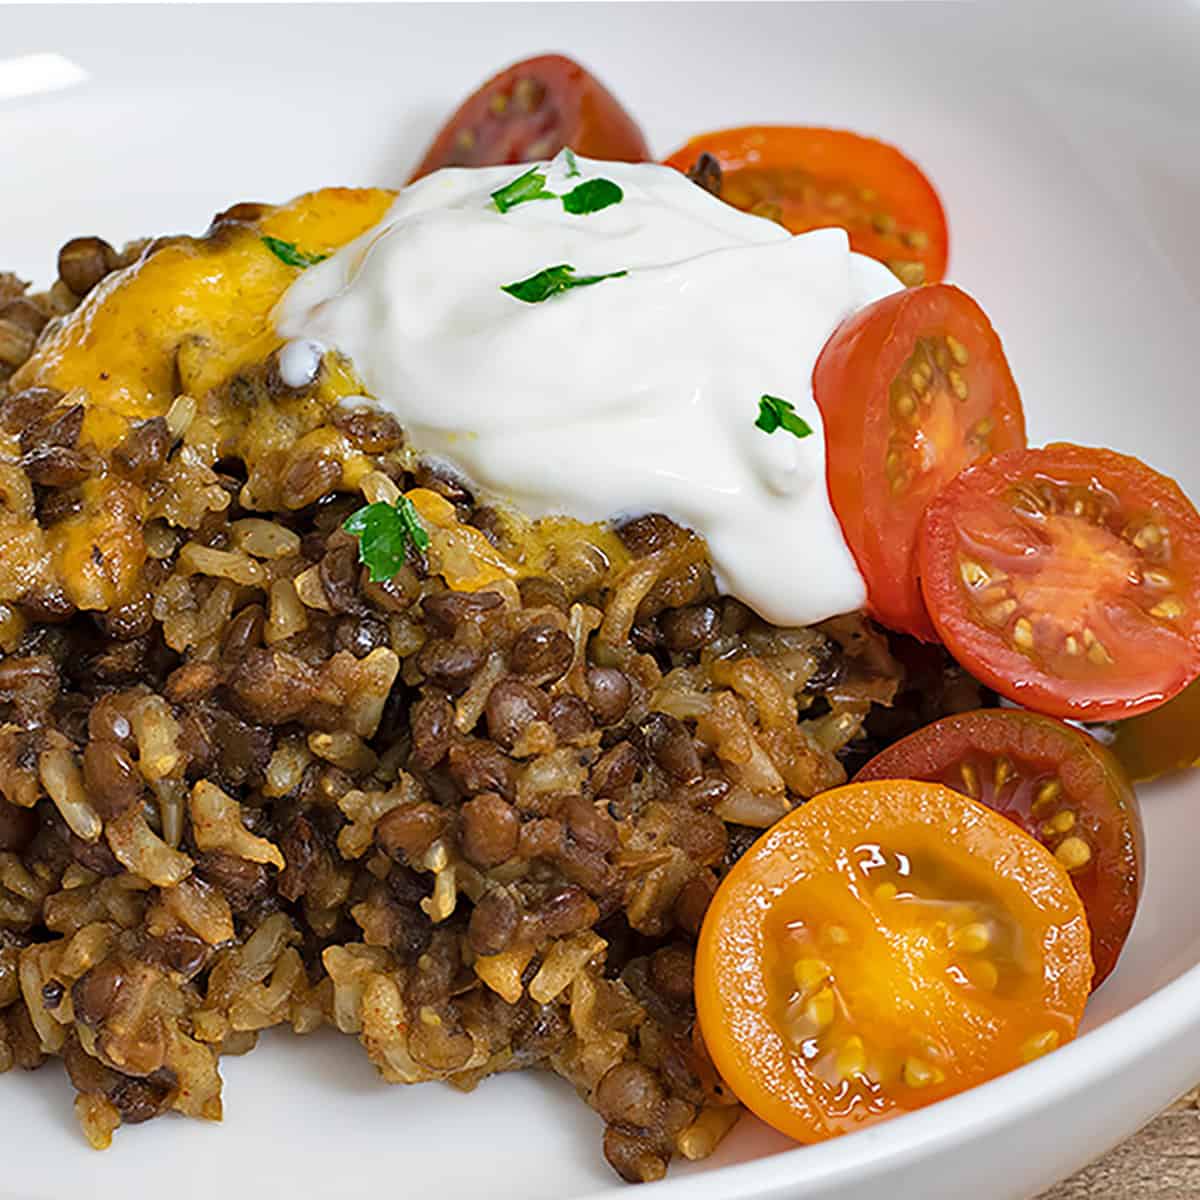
(808, 178)
(884, 946)
(1068, 579)
(911, 390)
(531, 111)
(1059, 785)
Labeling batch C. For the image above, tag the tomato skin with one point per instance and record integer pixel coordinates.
(910, 992)
(817, 178)
(1085, 781)
(855, 383)
(1099, 653)
(1163, 740)
(567, 106)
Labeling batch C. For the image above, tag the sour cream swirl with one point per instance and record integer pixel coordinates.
(631, 395)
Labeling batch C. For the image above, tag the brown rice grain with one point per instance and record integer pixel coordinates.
(63, 781)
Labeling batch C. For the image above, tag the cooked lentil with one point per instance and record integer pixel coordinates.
(472, 815)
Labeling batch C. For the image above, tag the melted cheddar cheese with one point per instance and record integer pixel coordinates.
(192, 318)
(190, 313)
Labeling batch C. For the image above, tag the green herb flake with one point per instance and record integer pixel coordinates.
(592, 196)
(530, 186)
(774, 413)
(384, 533)
(553, 280)
(287, 252)
(573, 171)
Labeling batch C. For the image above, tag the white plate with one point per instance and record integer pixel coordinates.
(1064, 143)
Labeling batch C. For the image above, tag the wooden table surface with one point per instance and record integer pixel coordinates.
(1160, 1163)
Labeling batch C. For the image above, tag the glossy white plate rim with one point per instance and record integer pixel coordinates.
(1084, 142)
(1101, 1054)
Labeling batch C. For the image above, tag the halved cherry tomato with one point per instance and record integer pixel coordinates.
(911, 389)
(1068, 579)
(1059, 785)
(813, 178)
(531, 111)
(1163, 740)
(884, 946)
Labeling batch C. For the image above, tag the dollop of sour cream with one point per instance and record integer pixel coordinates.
(633, 394)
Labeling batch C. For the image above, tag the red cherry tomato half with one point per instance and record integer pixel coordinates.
(911, 389)
(813, 178)
(1068, 579)
(531, 111)
(1059, 785)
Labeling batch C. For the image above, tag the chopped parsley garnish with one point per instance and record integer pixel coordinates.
(553, 280)
(774, 414)
(588, 197)
(573, 171)
(384, 533)
(530, 186)
(592, 196)
(288, 252)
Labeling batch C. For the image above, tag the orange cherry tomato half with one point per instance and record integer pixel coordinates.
(1068, 579)
(813, 178)
(531, 111)
(882, 947)
(911, 389)
(1059, 785)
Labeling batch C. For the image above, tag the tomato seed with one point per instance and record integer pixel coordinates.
(1002, 773)
(808, 972)
(970, 780)
(528, 94)
(973, 573)
(998, 614)
(1047, 794)
(820, 1009)
(1168, 609)
(973, 938)
(1022, 633)
(1062, 822)
(917, 1073)
(983, 974)
(910, 273)
(1074, 853)
(851, 1058)
(1039, 1044)
(1147, 536)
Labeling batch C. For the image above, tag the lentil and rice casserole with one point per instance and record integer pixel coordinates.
(471, 815)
